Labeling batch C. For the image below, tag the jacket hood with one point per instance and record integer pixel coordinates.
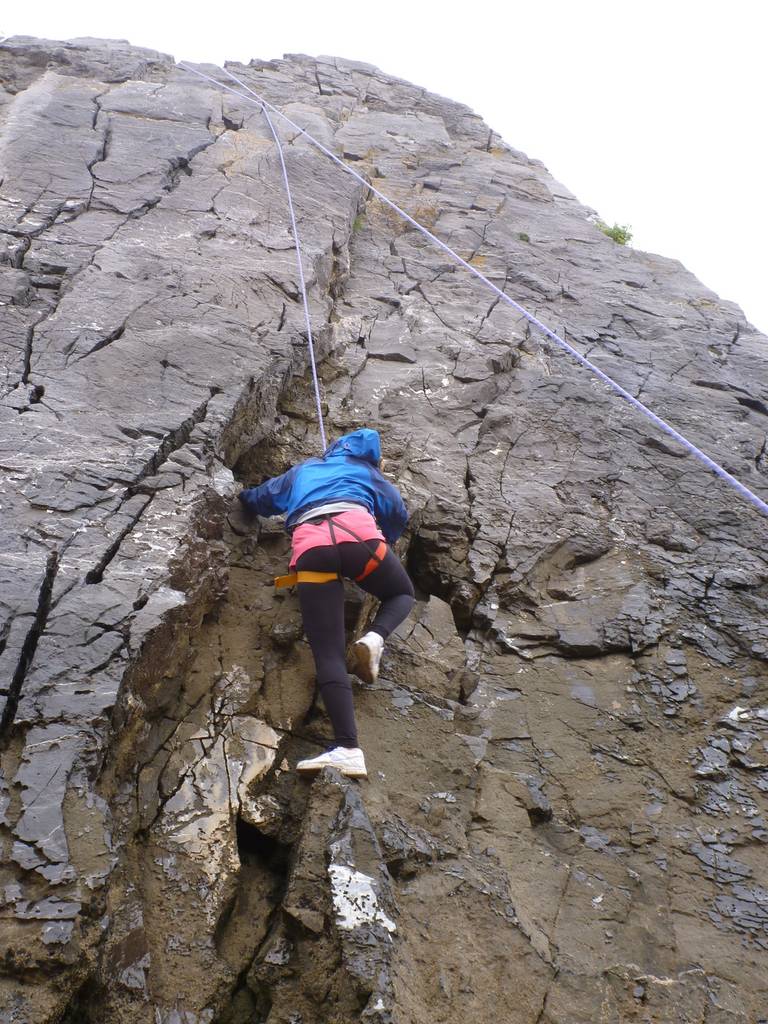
(362, 444)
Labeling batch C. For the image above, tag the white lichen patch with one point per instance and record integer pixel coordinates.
(739, 714)
(223, 480)
(355, 900)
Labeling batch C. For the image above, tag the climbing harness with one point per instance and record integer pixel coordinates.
(305, 576)
(691, 448)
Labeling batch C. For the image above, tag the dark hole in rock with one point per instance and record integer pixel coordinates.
(423, 565)
(85, 1005)
(247, 1007)
(253, 847)
(539, 815)
(211, 616)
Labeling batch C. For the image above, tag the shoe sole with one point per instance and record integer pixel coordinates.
(350, 773)
(361, 663)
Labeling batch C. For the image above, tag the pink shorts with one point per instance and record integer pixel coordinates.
(315, 535)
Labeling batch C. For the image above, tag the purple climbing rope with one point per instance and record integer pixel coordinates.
(302, 283)
(710, 463)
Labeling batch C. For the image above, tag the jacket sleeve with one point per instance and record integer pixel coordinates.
(391, 513)
(270, 498)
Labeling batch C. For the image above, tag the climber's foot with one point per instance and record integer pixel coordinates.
(366, 657)
(348, 760)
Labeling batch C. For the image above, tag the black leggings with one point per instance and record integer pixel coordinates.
(322, 608)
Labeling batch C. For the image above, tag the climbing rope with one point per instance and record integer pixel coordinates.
(302, 283)
(715, 467)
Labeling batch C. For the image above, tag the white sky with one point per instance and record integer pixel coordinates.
(654, 113)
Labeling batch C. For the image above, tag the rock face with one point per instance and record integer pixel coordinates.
(565, 819)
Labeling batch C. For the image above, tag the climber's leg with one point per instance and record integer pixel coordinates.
(391, 585)
(322, 608)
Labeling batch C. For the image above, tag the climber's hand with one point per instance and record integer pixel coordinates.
(242, 520)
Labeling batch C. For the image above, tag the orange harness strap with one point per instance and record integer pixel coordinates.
(374, 562)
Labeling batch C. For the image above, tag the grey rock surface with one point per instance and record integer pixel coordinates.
(565, 819)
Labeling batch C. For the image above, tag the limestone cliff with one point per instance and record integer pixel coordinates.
(565, 820)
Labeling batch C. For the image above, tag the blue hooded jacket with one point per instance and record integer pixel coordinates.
(347, 472)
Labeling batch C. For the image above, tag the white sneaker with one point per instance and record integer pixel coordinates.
(366, 657)
(348, 760)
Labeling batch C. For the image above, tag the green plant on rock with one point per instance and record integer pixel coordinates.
(621, 233)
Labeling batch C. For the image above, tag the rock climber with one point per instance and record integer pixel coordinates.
(341, 514)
